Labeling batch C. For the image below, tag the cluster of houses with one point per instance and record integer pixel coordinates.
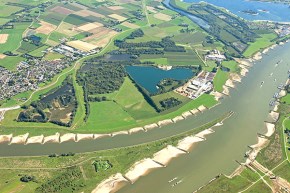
(73, 53)
(197, 86)
(283, 30)
(215, 55)
(28, 76)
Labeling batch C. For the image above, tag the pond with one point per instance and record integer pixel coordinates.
(148, 76)
(263, 10)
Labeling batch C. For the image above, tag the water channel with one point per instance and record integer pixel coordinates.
(217, 154)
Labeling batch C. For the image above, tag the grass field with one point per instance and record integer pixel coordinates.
(39, 52)
(121, 159)
(53, 56)
(220, 79)
(260, 44)
(232, 65)
(15, 37)
(10, 62)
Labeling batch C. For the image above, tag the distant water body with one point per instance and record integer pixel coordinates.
(273, 11)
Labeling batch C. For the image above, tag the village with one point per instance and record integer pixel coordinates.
(28, 76)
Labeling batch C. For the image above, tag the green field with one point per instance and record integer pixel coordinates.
(10, 62)
(232, 65)
(55, 175)
(220, 79)
(263, 42)
(15, 37)
(39, 52)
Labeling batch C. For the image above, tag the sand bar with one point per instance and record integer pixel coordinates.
(201, 108)
(35, 139)
(20, 139)
(52, 138)
(230, 83)
(186, 114)
(203, 133)
(136, 129)
(141, 168)
(5, 138)
(194, 111)
(164, 122)
(120, 133)
(270, 129)
(80, 137)
(151, 126)
(217, 95)
(226, 91)
(274, 115)
(186, 143)
(165, 155)
(178, 118)
(97, 136)
(235, 77)
(68, 137)
(110, 185)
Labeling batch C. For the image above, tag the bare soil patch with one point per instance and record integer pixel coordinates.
(62, 10)
(130, 25)
(84, 46)
(46, 28)
(162, 16)
(3, 38)
(90, 26)
(117, 17)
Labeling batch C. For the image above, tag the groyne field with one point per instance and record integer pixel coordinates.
(83, 172)
(94, 109)
(267, 167)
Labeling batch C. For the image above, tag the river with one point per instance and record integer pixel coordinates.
(265, 10)
(216, 155)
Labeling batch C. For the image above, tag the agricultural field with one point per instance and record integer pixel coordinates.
(220, 79)
(261, 43)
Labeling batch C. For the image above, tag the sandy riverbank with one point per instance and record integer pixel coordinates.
(68, 137)
(274, 116)
(20, 139)
(164, 122)
(187, 143)
(120, 133)
(178, 118)
(165, 155)
(35, 139)
(52, 138)
(136, 130)
(5, 138)
(111, 185)
(230, 83)
(270, 129)
(202, 108)
(217, 95)
(80, 137)
(186, 114)
(226, 90)
(141, 168)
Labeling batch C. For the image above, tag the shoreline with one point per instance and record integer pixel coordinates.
(159, 159)
(25, 139)
(262, 140)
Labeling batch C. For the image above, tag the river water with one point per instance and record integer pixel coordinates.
(266, 10)
(218, 153)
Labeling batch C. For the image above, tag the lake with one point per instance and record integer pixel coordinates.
(148, 76)
(274, 11)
